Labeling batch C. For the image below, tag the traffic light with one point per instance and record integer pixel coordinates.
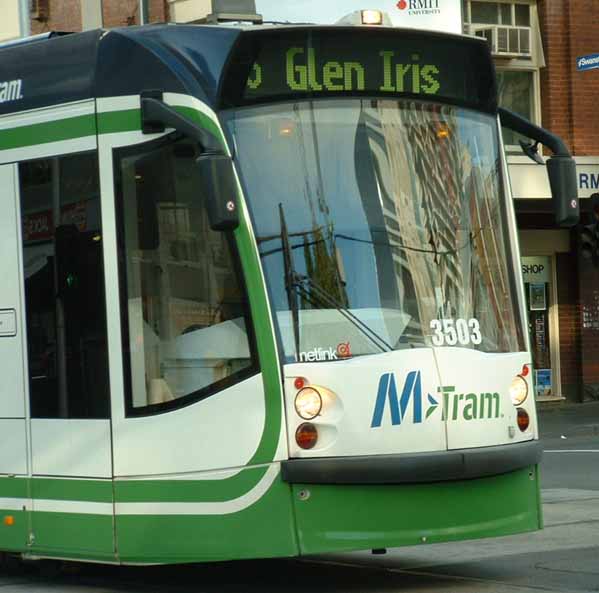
(589, 234)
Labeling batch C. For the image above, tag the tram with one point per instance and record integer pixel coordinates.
(260, 294)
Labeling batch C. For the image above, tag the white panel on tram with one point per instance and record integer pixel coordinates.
(12, 398)
(73, 447)
(13, 446)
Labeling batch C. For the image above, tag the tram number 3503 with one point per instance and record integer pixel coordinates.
(450, 332)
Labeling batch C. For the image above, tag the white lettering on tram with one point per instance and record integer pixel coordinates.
(342, 351)
(319, 354)
(11, 90)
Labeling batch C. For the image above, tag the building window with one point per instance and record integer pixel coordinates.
(512, 31)
(516, 93)
(498, 13)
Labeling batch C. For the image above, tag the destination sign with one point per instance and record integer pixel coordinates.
(328, 62)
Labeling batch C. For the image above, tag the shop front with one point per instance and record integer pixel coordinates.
(550, 270)
(543, 325)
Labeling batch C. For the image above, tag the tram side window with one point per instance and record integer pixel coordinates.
(187, 333)
(64, 287)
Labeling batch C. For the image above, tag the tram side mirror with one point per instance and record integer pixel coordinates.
(564, 190)
(219, 185)
(561, 167)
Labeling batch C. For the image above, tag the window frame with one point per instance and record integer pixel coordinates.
(503, 64)
(214, 388)
(511, 3)
(535, 108)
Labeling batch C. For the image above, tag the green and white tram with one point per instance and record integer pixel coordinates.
(260, 295)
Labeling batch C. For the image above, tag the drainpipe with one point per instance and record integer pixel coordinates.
(24, 18)
(91, 15)
(143, 12)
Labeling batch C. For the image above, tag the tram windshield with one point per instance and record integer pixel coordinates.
(381, 224)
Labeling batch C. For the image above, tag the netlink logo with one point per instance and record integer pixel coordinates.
(455, 406)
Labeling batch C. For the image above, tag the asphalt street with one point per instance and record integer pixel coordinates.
(562, 558)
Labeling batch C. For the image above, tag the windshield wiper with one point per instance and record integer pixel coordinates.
(290, 280)
(310, 289)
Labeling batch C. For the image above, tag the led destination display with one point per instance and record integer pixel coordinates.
(304, 73)
(309, 63)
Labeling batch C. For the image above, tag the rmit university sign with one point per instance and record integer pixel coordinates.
(432, 15)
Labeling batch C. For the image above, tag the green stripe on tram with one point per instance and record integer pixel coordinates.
(108, 122)
(74, 490)
(129, 120)
(117, 122)
(52, 131)
(188, 490)
(81, 490)
(13, 488)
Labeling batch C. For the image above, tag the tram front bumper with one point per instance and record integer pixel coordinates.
(357, 504)
(413, 468)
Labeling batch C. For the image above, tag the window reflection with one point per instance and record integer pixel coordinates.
(64, 287)
(384, 214)
(186, 308)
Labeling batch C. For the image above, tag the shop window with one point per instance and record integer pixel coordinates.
(537, 273)
(187, 333)
(64, 287)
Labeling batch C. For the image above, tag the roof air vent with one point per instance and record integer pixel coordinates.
(233, 10)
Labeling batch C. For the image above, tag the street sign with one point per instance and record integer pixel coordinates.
(589, 62)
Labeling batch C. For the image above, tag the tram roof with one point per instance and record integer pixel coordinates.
(63, 68)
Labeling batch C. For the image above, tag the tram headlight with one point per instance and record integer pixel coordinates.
(308, 403)
(518, 390)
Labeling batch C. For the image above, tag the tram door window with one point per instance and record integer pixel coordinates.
(187, 332)
(64, 287)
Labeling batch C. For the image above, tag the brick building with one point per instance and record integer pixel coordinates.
(565, 328)
(68, 15)
(536, 44)
(569, 108)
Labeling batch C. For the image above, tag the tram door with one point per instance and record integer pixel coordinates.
(192, 401)
(13, 446)
(67, 359)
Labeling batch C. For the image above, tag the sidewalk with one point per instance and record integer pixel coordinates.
(569, 420)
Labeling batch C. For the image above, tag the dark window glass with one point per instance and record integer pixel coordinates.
(184, 304)
(523, 15)
(64, 287)
(484, 12)
(506, 14)
(515, 93)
